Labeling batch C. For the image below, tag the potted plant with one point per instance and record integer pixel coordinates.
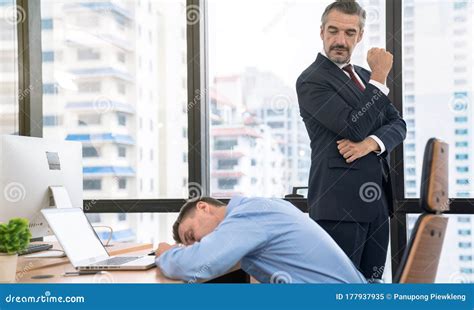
(14, 237)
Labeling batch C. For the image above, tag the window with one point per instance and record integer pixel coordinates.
(51, 120)
(122, 151)
(90, 151)
(465, 258)
(88, 119)
(224, 145)
(254, 112)
(122, 183)
(133, 227)
(227, 164)
(122, 119)
(464, 219)
(227, 184)
(462, 156)
(87, 54)
(47, 24)
(121, 57)
(94, 85)
(445, 100)
(92, 185)
(48, 56)
(461, 132)
(50, 89)
(89, 87)
(462, 144)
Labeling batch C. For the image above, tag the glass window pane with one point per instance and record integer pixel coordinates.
(259, 145)
(456, 263)
(10, 15)
(115, 80)
(134, 227)
(438, 105)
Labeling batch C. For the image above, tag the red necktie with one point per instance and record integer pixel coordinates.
(349, 70)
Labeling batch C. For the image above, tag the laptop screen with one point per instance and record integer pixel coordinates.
(75, 234)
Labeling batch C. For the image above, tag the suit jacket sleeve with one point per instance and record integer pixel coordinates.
(394, 131)
(354, 121)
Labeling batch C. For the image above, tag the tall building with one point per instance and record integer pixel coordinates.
(115, 80)
(412, 170)
(439, 106)
(245, 157)
(8, 69)
(268, 101)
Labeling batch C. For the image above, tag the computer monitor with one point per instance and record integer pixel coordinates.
(29, 167)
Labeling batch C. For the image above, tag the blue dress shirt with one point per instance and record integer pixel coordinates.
(274, 242)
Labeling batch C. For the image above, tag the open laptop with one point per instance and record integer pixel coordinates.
(84, 248)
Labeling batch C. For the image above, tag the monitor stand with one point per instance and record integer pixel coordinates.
(55, 197)
(59, 197)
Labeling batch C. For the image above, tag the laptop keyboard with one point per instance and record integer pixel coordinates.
(117, 261)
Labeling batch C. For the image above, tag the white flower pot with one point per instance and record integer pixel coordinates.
(8, 267)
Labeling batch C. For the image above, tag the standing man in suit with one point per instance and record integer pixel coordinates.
(353, 127)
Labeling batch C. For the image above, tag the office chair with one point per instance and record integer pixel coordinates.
(421, 257)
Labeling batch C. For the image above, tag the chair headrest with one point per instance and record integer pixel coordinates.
(435, 177)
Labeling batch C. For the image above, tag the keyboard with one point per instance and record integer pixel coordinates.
(34, 248)
(117, 261)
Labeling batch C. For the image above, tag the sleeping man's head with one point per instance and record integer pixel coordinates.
(197, 219)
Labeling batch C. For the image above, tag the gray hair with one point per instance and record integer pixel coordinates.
(350, 7)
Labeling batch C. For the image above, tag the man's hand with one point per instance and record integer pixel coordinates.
(380, 62)
(162, 248)
(352, 151)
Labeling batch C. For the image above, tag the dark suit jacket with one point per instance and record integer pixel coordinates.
(333, 108)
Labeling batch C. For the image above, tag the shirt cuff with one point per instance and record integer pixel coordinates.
(383, 88)
(380, 143)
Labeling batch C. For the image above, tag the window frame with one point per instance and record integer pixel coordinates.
(30, 56)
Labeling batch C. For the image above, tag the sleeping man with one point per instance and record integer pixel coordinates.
(271, 239)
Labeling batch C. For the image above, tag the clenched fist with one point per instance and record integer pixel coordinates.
(380, 62)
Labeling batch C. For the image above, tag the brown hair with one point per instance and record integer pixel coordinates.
(188, 209)
(350, 7)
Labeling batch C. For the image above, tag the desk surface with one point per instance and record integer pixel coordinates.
(30, 267)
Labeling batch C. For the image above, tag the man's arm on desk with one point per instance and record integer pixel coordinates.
(216, 254)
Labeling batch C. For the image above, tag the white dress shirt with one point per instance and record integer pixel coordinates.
(383, 88)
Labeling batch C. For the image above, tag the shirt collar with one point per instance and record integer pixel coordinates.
(338, 65)
(234, 202)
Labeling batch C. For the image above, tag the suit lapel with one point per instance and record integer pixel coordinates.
(348, 88)
(365, 77)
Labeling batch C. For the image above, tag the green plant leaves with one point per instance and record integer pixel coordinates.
(14, 236)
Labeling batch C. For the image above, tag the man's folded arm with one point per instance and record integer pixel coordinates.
(321, 102)
(216, 254)
(394, 131)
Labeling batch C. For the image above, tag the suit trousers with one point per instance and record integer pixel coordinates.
(366, 244)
